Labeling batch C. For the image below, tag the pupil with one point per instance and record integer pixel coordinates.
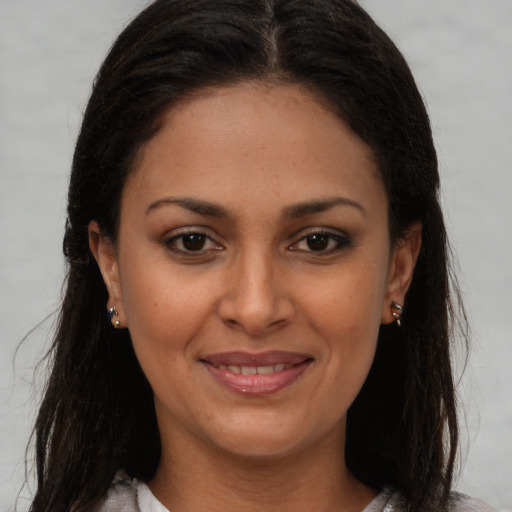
(194, 242)
(318, 242)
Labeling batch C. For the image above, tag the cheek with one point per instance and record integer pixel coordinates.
(164, 308)
(349, 300)
(350, 327)
(164, 317)
(346, 311)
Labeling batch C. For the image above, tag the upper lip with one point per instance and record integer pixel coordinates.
(269, 358)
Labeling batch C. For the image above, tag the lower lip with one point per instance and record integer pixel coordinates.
(258, 384)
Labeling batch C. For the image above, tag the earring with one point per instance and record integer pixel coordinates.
(396, 311)
(112, 312)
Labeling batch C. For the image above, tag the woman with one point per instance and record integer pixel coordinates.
(257, 311)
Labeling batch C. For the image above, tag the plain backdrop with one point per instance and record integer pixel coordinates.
(460, 52)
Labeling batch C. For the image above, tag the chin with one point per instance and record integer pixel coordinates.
(266, 441)
(257, 449)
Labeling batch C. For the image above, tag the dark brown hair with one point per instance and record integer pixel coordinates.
(97, 415)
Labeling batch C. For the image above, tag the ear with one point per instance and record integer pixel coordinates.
(401, 270)
(104, 253)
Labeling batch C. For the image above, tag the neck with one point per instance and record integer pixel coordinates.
(192, 477)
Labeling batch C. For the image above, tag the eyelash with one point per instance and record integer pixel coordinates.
(325, 241)
(171, 242)
(340, 240)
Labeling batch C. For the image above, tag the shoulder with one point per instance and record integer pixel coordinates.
(129, 495)
(121, 496)
(390, 500)
(461, 503)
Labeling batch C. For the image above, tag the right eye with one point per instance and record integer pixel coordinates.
(192, 242)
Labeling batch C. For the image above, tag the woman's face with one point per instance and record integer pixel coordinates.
(253, 268)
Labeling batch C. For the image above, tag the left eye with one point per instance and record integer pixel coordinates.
(191, 242)
(321, 242)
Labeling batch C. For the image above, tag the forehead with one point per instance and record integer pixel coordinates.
(251, 136)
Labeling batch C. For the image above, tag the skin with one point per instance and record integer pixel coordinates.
(255, 151)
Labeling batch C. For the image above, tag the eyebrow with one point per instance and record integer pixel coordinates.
(194, 205)
(294, 211)
(318, 206)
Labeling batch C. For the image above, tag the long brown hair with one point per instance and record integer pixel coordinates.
(97, 415)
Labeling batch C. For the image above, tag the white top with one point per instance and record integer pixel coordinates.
(130, 495)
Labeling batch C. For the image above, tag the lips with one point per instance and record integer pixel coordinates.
(255, 370)
(256, 374)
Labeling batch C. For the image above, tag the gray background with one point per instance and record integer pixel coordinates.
(460, 52)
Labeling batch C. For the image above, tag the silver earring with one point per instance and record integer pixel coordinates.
(396, 311)
(112, 312)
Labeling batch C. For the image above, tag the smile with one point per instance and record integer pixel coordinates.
(259, 374)
(255, 370)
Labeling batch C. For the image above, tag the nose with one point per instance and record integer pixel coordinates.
(255, 299)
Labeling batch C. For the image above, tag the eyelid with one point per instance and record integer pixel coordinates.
(341, 237)
(176, 234)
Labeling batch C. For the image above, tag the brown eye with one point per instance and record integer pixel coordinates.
(193, 241)
(318, 242)
(325, 242)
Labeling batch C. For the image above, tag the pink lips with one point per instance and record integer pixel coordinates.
(256, 374)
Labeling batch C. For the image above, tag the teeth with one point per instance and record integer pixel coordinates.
(253, 370)
(264, 370)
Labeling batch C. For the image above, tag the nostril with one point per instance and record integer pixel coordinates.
(255, 308)
(255, 329)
